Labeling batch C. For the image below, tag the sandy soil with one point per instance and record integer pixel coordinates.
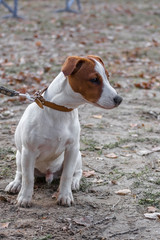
(119, 147)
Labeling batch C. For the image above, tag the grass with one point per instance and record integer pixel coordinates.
(4, 164)
(84, 184)
(115, 174)
(5, 151)
(150, 199)
(139, 174)
(91, 144)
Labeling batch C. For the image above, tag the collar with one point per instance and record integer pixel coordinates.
(42, 102)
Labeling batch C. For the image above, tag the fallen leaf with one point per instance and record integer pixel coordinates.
(47, 68)
(152, 216)
(88, 173)
(4, 225)
(83, 221)
(155, 42)
(89, 125)
(117, 85)
(3, 199)
(111, 155)
(144, 85)
(133, 125)
(37, 79)
(146, 151)
(151, 209)
(38, 44)
(97, 116)
(7, 64)
(123, 192)
(55, 195)
(114, 182)
(96, 180)
(98, 147)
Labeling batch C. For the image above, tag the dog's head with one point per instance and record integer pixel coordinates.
(89, 77)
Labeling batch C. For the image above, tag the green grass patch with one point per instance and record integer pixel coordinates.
(116, 174)
(84, 184)
(4, 152)
(90, 143)
(44, 237)
(150, 199)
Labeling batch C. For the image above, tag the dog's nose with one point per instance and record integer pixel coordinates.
(117, 100)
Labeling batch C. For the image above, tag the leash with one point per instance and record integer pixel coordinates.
(37, 98)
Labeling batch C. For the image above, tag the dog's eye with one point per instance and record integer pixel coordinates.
(95, 81)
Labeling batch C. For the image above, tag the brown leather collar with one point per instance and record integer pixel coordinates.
(42, 102)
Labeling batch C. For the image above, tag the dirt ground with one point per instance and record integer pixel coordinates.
(119, 147)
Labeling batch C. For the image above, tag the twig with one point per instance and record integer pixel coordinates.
(112, 208)
(102, 220)
(94, 169)
(126, 232)
(95, 223)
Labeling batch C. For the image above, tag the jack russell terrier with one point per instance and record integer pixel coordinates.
(48, 140)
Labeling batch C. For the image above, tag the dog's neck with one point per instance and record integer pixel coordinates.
(61, 93)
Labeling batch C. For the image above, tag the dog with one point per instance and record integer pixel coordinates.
(48, 140)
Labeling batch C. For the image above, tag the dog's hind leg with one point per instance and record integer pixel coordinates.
(27, 163)
(77, 174)
(15, 186)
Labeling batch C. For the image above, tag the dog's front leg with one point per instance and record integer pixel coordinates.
(27, 165)
(65, 196)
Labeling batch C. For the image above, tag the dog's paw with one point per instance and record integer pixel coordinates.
(13, 187)
(23, 202)
(75, 183)
(24, 197)
(65, 199)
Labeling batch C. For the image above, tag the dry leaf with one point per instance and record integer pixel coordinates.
(47, 68)
(111, 155)
(88, 173)
(144, 85)
(3, 199)
(114, 182)
(37, 79)
(89, 125)
(146, 151)
(96, 180)
(151, 209)
(152, 215)
(97, 116)
(123, 192)
(4, 225)
(38, 44)
(55, 195)
(83, 154)
(83, 221)
(7, 64)
(117, 85)
(98, 147)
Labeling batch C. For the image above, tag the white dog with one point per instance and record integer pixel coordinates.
(47, 140)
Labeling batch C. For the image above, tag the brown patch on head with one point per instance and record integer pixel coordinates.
(99, 60)
(83, 78)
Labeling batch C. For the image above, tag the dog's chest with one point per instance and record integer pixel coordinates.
(53, 144)
(56, 136)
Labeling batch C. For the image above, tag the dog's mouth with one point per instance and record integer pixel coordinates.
(116, 102)
(98, 105)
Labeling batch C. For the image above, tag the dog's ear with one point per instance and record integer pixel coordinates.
(97, 58)
(72, 65)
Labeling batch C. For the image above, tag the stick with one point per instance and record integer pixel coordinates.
(126, 232)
